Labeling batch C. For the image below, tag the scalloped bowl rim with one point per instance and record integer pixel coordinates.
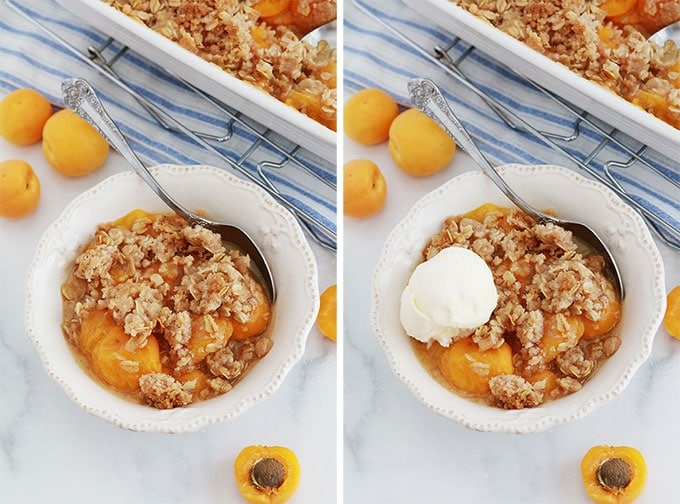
(279, 235)
(623, 229)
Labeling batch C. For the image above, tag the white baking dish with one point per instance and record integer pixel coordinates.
(589, 96)
(207, 77)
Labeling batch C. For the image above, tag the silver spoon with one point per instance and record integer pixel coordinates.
(327, 31)
(426, 97)
(670, 32)
(81, 98)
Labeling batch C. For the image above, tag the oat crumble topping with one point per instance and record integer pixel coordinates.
(160, 278)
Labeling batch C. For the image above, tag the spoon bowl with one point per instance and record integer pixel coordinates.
(327, 31)
(82, 99)
(670, 32)
(427, 97)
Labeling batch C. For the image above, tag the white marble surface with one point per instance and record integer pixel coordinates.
(397, 451)
(52, 451)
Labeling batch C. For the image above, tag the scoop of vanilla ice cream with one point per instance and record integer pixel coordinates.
(451, 293)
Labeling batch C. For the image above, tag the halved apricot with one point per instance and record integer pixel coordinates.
(195, 381)
(481, 211)
(618, 7)
(671, 319)
(613, 474)
(560, 333)
(258, 321)
(267, 474)
(121, 368)
(208, 334)
(268, 8)
(468, 368)
(611, 314)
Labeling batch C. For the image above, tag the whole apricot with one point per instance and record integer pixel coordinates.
(327, 319)
(418, 145)
(368, 115)
(71, 146)
(23, 114)
(19, 188)
(364, 188)
(671, 318)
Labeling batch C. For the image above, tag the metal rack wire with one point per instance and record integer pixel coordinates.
(259, 162)
(454, 57)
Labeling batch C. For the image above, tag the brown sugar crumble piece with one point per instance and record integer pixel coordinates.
(514, 392)
(162, 391)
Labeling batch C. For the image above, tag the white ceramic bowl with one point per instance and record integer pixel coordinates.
(224, 197)
(574, 197)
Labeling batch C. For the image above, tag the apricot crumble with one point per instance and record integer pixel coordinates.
(161, 312)
(554, 323)
(258, 42)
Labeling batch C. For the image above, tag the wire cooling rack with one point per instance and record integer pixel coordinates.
(605, 156)
(260, 161)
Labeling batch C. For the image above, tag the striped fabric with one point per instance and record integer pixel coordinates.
(386, 43)
(30, 56)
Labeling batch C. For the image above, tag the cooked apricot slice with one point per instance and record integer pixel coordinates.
(126, 221)
(195, 381)
(305, 103)
(329, 75)
(94, 326)
(652, 102)
(618, 7)
(258, 321)
(611, 314)
(560, 333)
(208, 334)
(671, 319)
(261, 35)
(267, 474)
(104, 341)
(268, 8)
(480, 212)
(613, 474)
(546, 379)
(606, 34)
(121, 368)
(327, 318)
(468, 368)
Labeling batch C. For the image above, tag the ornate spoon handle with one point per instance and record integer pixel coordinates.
(427, 98)
(81, 98)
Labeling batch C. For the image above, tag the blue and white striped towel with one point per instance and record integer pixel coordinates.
(30, 56)
(386, 43)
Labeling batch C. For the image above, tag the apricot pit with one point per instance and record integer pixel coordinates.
(613, 474)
